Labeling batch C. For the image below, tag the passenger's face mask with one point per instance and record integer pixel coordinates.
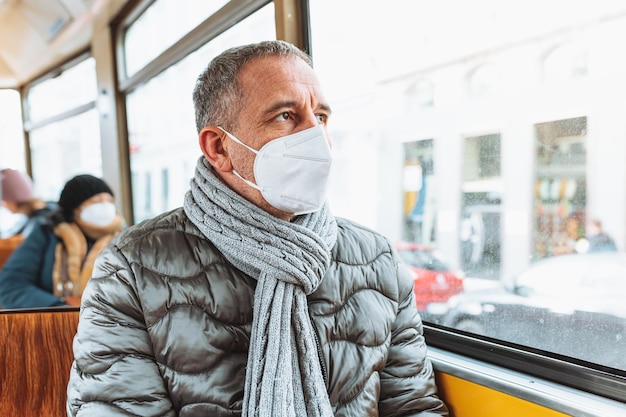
(98, 214)
(292, 171)
(11, 223)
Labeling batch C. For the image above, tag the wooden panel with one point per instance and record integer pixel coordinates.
(36, 356)
(468, 399)
(7, 246)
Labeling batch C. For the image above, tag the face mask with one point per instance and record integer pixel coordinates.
(292, 171)
(98, 214)
(11, 223)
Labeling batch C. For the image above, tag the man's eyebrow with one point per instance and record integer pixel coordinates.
(279, 106)
(326, 108)
(287, 104)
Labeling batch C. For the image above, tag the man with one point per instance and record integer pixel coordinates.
(253, 299)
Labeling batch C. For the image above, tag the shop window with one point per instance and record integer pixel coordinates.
(560, 186)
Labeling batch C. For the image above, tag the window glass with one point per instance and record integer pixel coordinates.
(159, 27)
(63, 149)
(496, 142)
(73, 87)
(11, 134)
(430, 260)
(161, 123)
(11, 147)
(65, 140)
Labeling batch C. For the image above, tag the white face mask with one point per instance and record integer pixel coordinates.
(98, 214)
(11, 223)
(292, 171)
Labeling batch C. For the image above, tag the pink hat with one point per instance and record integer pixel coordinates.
(16, 186)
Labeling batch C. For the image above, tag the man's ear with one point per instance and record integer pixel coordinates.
(211, 140)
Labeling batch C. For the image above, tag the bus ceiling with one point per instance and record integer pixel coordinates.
(36, 35)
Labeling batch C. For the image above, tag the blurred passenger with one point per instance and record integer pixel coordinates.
(599, 241)
(18, 198)
(253, 299)
(52, 266)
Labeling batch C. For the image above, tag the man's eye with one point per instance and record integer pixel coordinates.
(283, 116)
(322, 118)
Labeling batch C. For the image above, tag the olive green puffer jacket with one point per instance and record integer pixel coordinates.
(165, 325)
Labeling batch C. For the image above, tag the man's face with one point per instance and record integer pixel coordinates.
(281, 96)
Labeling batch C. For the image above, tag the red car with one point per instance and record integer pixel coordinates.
(434, 280)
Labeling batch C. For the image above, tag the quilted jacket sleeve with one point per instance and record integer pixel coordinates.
(408, 382)
(114, 371)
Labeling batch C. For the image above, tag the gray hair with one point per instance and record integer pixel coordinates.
(217, 97)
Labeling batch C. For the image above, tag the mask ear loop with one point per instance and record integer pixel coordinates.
(250, 183)
(237, 140)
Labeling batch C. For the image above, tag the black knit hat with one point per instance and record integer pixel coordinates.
(79, 189)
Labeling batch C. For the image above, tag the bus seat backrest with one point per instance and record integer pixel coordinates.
(36, 356)
(7, 246)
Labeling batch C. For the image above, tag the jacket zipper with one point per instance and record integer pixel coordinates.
(320, 356)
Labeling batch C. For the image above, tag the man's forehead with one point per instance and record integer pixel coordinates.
(279, 79)
(276, 67)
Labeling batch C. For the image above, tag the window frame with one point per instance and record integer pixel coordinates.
(55, 72)
(219, 22)
(575, 373)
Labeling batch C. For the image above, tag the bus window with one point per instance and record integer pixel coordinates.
(515, 141)
(53, 96)
(163, 154)
(73, 143)
(163, 14)
(12, 152)
(63, 126)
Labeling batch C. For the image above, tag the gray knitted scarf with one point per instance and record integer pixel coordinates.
(288, 259)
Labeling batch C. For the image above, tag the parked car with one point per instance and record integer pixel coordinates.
(574, 305)
(434, 281)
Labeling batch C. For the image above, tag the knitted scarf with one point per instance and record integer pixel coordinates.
(288, 259)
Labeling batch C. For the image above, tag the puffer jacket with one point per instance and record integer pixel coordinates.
(165, 327)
